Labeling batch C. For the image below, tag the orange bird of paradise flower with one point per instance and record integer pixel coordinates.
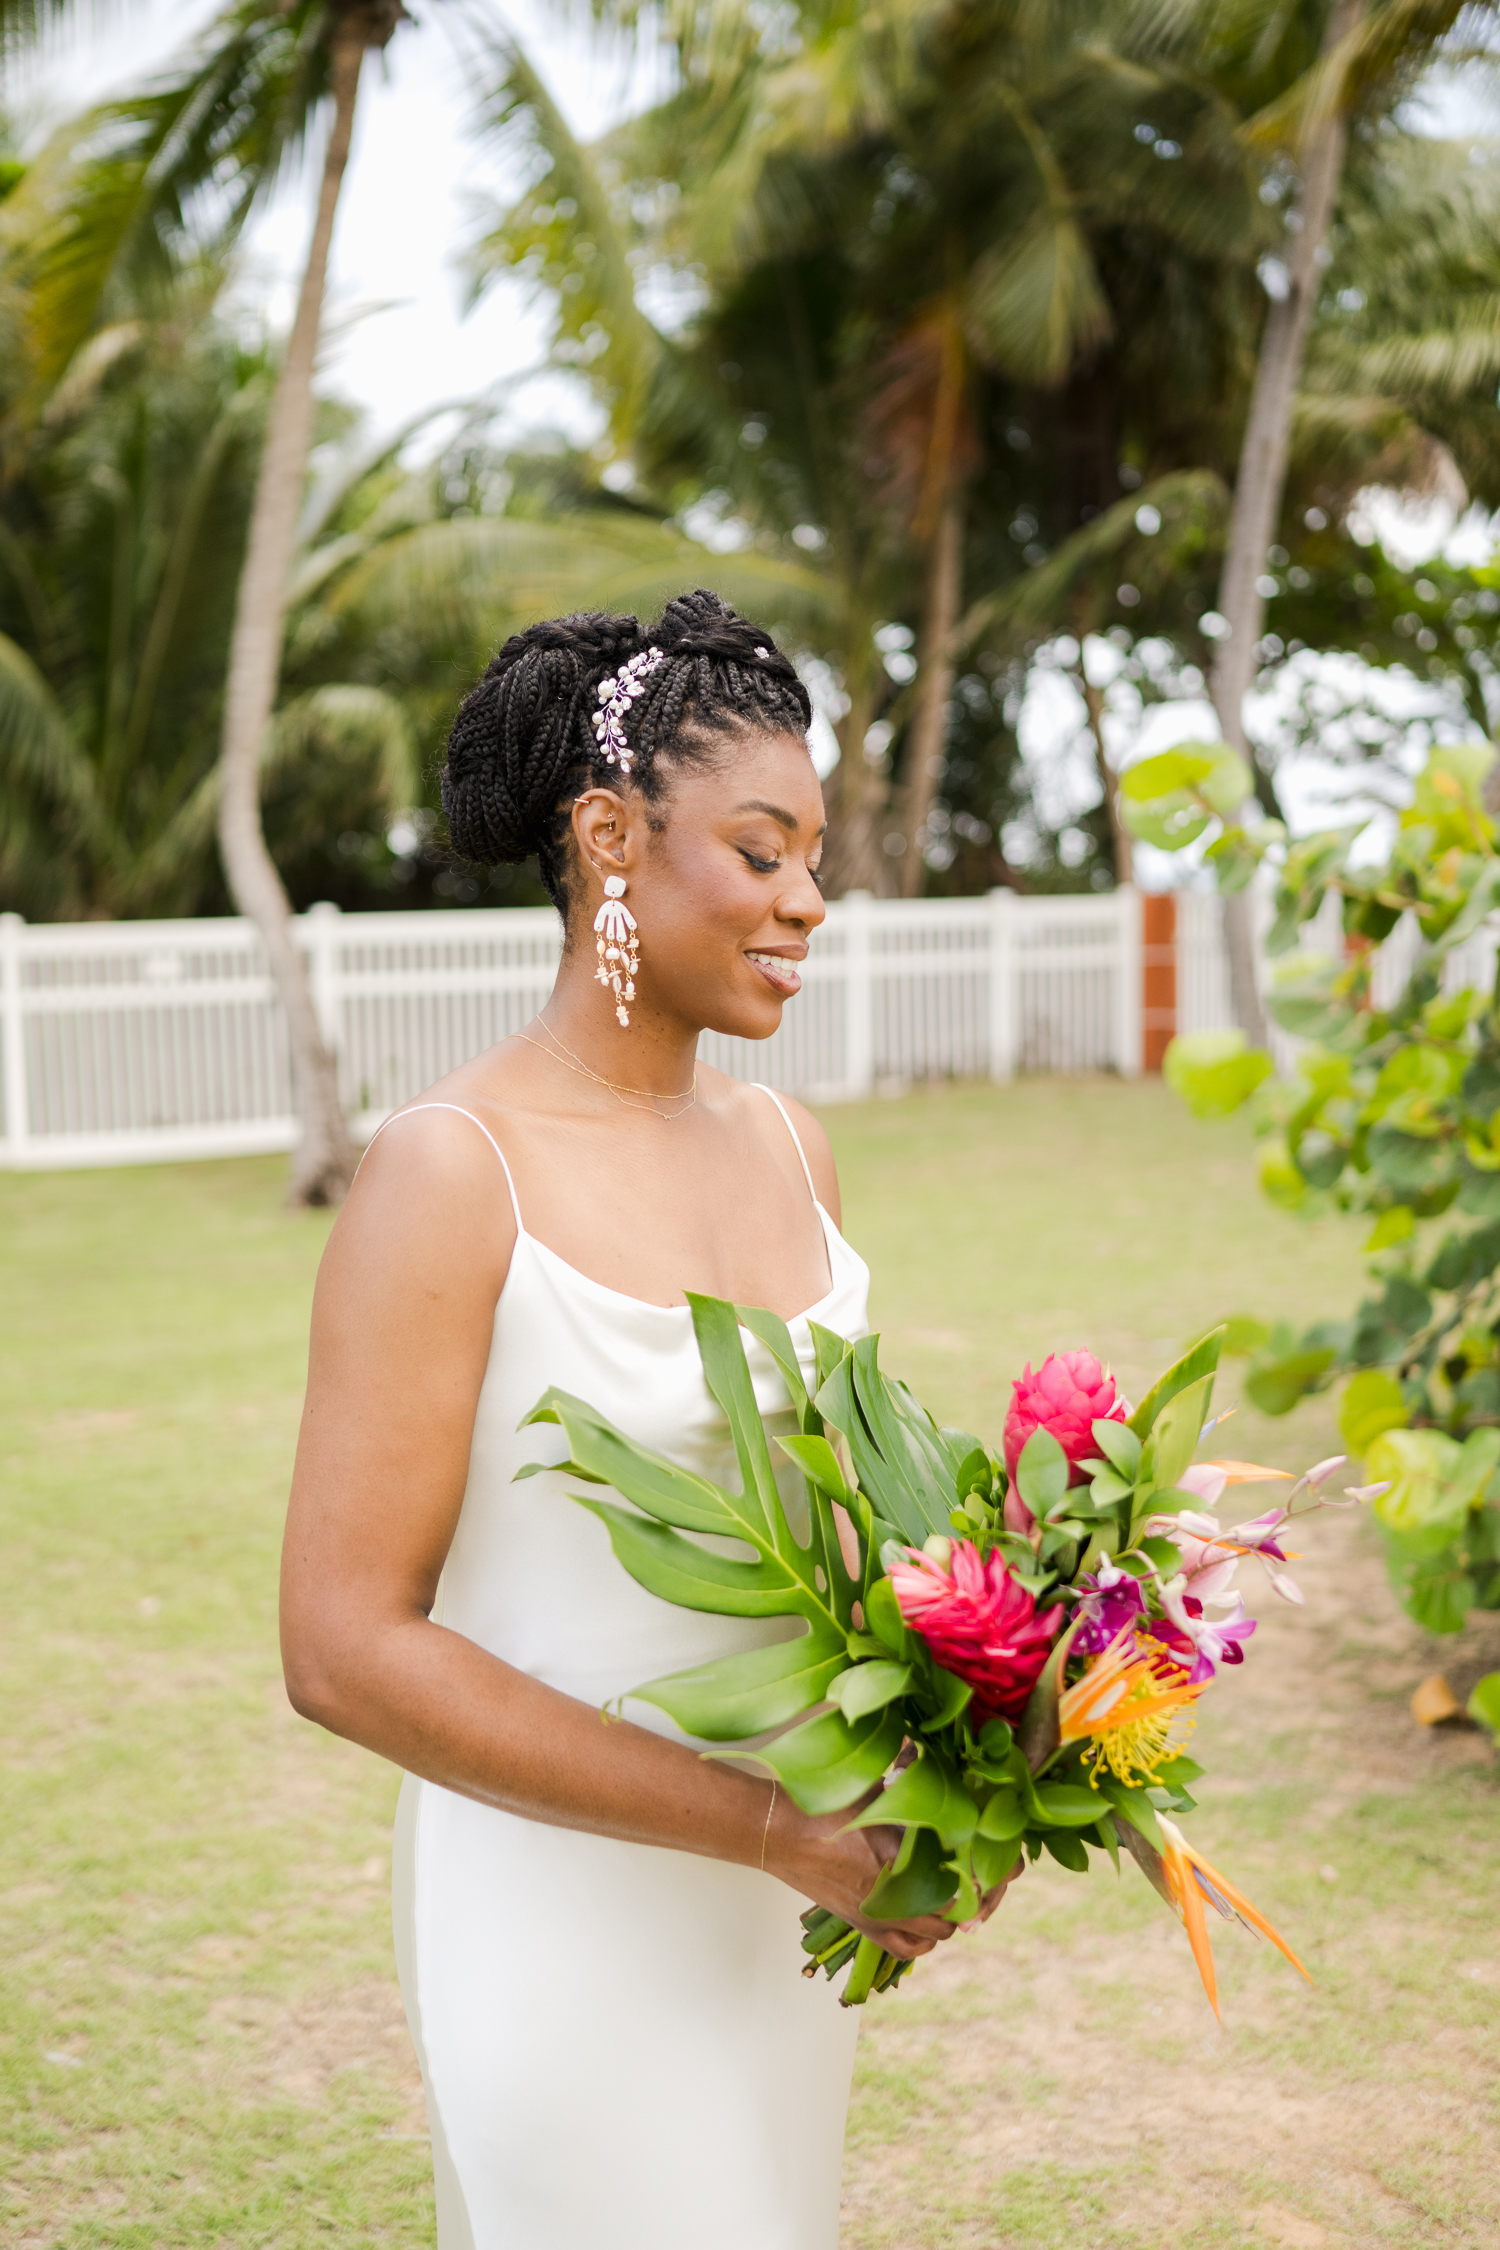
(1191, 1880)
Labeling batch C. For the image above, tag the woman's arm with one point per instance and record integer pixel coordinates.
(402, 1321)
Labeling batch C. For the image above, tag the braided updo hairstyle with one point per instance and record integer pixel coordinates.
(523, 744)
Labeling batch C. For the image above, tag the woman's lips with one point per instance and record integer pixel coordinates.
(778, 973)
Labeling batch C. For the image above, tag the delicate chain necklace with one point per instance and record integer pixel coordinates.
(576, 1064)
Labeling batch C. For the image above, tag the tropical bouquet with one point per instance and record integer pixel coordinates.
(996, 1654)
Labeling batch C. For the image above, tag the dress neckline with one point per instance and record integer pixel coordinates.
(831, 1235)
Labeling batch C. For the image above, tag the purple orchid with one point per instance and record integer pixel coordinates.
(1112, 1599)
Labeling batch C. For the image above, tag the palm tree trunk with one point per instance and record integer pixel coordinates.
(847, 853)
(943, 593)
(325, 1157)
(1261, 479)
(1119, 835)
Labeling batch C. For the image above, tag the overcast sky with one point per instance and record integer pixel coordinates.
(404, 209)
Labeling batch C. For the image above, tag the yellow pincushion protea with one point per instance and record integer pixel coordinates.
(1133, 1706)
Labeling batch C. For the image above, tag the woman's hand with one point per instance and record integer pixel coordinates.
(836, 1866)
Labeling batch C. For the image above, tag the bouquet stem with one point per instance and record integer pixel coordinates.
(831, 1942)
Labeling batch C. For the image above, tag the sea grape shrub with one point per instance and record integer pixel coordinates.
(1393, 1114)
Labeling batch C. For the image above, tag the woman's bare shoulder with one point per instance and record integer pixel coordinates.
(815, 1143)
(431, 1191)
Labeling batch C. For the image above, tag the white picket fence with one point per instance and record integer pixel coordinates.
(138, 1042)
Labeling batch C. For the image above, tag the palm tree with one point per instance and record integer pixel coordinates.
(1365, 56)
(107, 216)
(902, 226)
(325, 1158)
(112, 214)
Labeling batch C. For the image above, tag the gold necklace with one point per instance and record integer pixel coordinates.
(580, 1068)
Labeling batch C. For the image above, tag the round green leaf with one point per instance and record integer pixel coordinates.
(1214, 1071)
(1372, 1404)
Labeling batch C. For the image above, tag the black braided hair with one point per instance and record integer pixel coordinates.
(523, 744)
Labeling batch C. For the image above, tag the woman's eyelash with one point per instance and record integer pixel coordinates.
(761, 866)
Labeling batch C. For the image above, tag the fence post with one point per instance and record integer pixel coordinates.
(858, 915)
(1129, 994)
(321, 929)
(1159, 976)
(1005, 978)
(13, 1039)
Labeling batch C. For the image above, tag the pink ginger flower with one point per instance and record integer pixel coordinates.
(979, 1624)
(1067, 1395)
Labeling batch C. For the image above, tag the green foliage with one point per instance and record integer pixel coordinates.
(1394, 1113)
(930, 251)
(1484, 1703)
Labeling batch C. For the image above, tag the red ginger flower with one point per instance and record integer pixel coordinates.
(1067, 1395)
(978, 1624)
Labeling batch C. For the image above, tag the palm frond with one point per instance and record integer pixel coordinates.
(563, 232)
(125, 198)
(39, 756)
(351, 726)
(1186, 498)
(1394, 38)
(486, 575)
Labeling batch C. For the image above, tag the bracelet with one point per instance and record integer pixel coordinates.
(765, 1834)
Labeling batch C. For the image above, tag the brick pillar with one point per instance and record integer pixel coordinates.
(1159, 976)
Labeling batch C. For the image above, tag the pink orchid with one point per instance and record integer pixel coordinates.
(1213, 1641)
(1210, 1556)
(978, 1623)
(1319, 1473)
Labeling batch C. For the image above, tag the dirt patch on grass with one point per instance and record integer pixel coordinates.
(299, 2051)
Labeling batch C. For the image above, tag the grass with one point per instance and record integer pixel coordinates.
(200, 2039)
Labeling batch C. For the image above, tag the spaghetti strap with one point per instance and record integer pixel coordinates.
(489, 1136)
(791, 1128)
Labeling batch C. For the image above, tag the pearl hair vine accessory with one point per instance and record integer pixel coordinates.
(617, 946)
(616, 695)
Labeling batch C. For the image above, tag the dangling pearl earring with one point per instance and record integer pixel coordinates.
(618, 947)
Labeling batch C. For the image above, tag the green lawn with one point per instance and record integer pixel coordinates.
(200, 2039)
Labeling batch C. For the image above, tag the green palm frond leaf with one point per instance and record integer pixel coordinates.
(1036, 304)
(38, 751)
(1189, 498)
(138, 189)
(565, 231)
(355, 726)
(493, 570)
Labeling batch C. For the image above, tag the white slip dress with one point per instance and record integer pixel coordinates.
(617, 2044)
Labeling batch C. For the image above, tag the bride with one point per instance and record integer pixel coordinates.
(596, 1928)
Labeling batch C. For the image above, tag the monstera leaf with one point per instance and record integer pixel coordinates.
(907, 1475)
(907, 1469)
